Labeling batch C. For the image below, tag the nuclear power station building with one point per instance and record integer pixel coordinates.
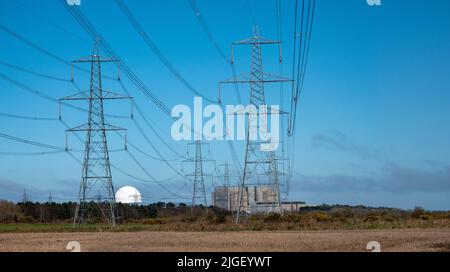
(255, 199)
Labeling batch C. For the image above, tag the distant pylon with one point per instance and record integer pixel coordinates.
(24, 196)
(260, 168)
(198, 176)
(226, 175)
(222, 199)
(50, 198)
(96, 175)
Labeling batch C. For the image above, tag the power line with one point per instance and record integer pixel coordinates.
(44, 51)
(285, 180)
(34, 143)
(51, 23)
(5, 153)
(46, 76)
(28, 89)
(214, 43)
(147, 122)
(90, 29)
(31, 44)
(24, 117)
(150, 176)
(150, 156)
(151, 44)
(307, 49)
(158, 153)
(137, 178)
(95, 35)
(206, 29)
(29, 142)
(172, 194)
(303, 47)
(250, 11)
(15, 67)
(306, 28)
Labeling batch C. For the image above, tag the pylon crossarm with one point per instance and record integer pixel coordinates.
(256, 40)
(85, 95)
(247, 79)
(86, 127)
(94, 58)
(113, 95)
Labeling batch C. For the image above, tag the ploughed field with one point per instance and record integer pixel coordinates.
(327, 240)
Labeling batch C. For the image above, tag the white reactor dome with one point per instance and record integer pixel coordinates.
(128, 195)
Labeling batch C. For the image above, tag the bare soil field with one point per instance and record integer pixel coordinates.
(297, 241)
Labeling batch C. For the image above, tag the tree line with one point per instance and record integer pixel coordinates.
(34, 212)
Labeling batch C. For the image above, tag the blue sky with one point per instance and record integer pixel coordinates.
(373, 118)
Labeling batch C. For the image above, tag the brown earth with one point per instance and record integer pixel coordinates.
(390, 240)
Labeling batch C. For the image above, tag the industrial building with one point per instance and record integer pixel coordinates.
(255, 199)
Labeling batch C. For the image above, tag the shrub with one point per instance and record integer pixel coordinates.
(28, 219)
(291, 217)
(389, 218)
(189, 219)
(221, 218)
(417, 212)
(218, 215)
(153, 221)
(425, 217)
(257, 226)
(371, 218)
(321, 217)
(272, 217)
(211, 218)
(9, 212)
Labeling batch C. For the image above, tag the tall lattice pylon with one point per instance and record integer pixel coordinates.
(198, 176)
(260, 167)
(96, 176)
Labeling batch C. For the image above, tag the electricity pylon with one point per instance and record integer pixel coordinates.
(198, 176)
(258, 164)
(96, 175)
(226, 175)
(223, 195)
(25, 196)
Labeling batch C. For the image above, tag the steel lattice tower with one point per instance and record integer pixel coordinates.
(198, 176)
(226, 175)
(260, 168)
(199, 193)
(24, 196)
(96, 176)
(223, 199)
